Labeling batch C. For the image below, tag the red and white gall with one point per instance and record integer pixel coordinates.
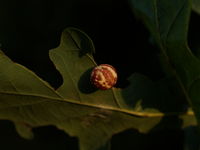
(104, 76)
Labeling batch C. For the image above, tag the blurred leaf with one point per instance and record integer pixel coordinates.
(168, 22)
(191, 138)
(196, 6)
(106, 146)
(77, 107)
(24, 130)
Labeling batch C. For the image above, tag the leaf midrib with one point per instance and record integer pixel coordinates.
(110, 108)
(163, 50)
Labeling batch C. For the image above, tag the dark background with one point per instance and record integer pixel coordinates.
(29, 29)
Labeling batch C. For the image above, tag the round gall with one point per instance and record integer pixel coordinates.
(104, 76)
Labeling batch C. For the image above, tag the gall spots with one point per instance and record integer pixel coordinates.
(104, 76)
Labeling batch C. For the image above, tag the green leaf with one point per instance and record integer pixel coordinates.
(24, 130)
(196, 6)
(168, 22)
(107, 146)
(77, 107)
(191, 141)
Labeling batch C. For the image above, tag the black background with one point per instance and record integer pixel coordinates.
(28, 29)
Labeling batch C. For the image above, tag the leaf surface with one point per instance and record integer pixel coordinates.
(77, 107)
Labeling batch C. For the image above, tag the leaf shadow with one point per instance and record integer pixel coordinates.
(164, 136)
(86, 46)
(84, 83)
(163, 96)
